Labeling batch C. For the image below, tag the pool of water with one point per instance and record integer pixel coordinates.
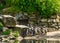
(31, 41)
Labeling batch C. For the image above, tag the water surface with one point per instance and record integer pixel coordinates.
(32, 41)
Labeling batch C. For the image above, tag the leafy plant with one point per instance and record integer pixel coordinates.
(1, 6)
(7, 32)
(16, 33)
(46, 8)
(1, 26)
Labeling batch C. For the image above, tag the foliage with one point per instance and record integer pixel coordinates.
(16, 33)
(7, 32)
(16, 41)
(46, 8)
(20, 5)
(1, 6)
(1, 26)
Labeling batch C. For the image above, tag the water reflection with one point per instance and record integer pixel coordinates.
(31, 41)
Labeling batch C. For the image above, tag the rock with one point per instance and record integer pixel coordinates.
(9, 20)
(54, 33)
(12, 38)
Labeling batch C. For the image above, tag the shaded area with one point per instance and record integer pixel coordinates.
(32, 41)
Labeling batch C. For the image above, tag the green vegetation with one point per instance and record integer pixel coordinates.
(46, 8)
(1, 6)
(7, 32)
(16, 41)
(16, 33)
(1, 26)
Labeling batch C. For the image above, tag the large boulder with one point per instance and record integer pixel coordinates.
(9, 21)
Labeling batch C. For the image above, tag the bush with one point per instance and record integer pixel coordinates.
(46, 8)
(7, 32)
